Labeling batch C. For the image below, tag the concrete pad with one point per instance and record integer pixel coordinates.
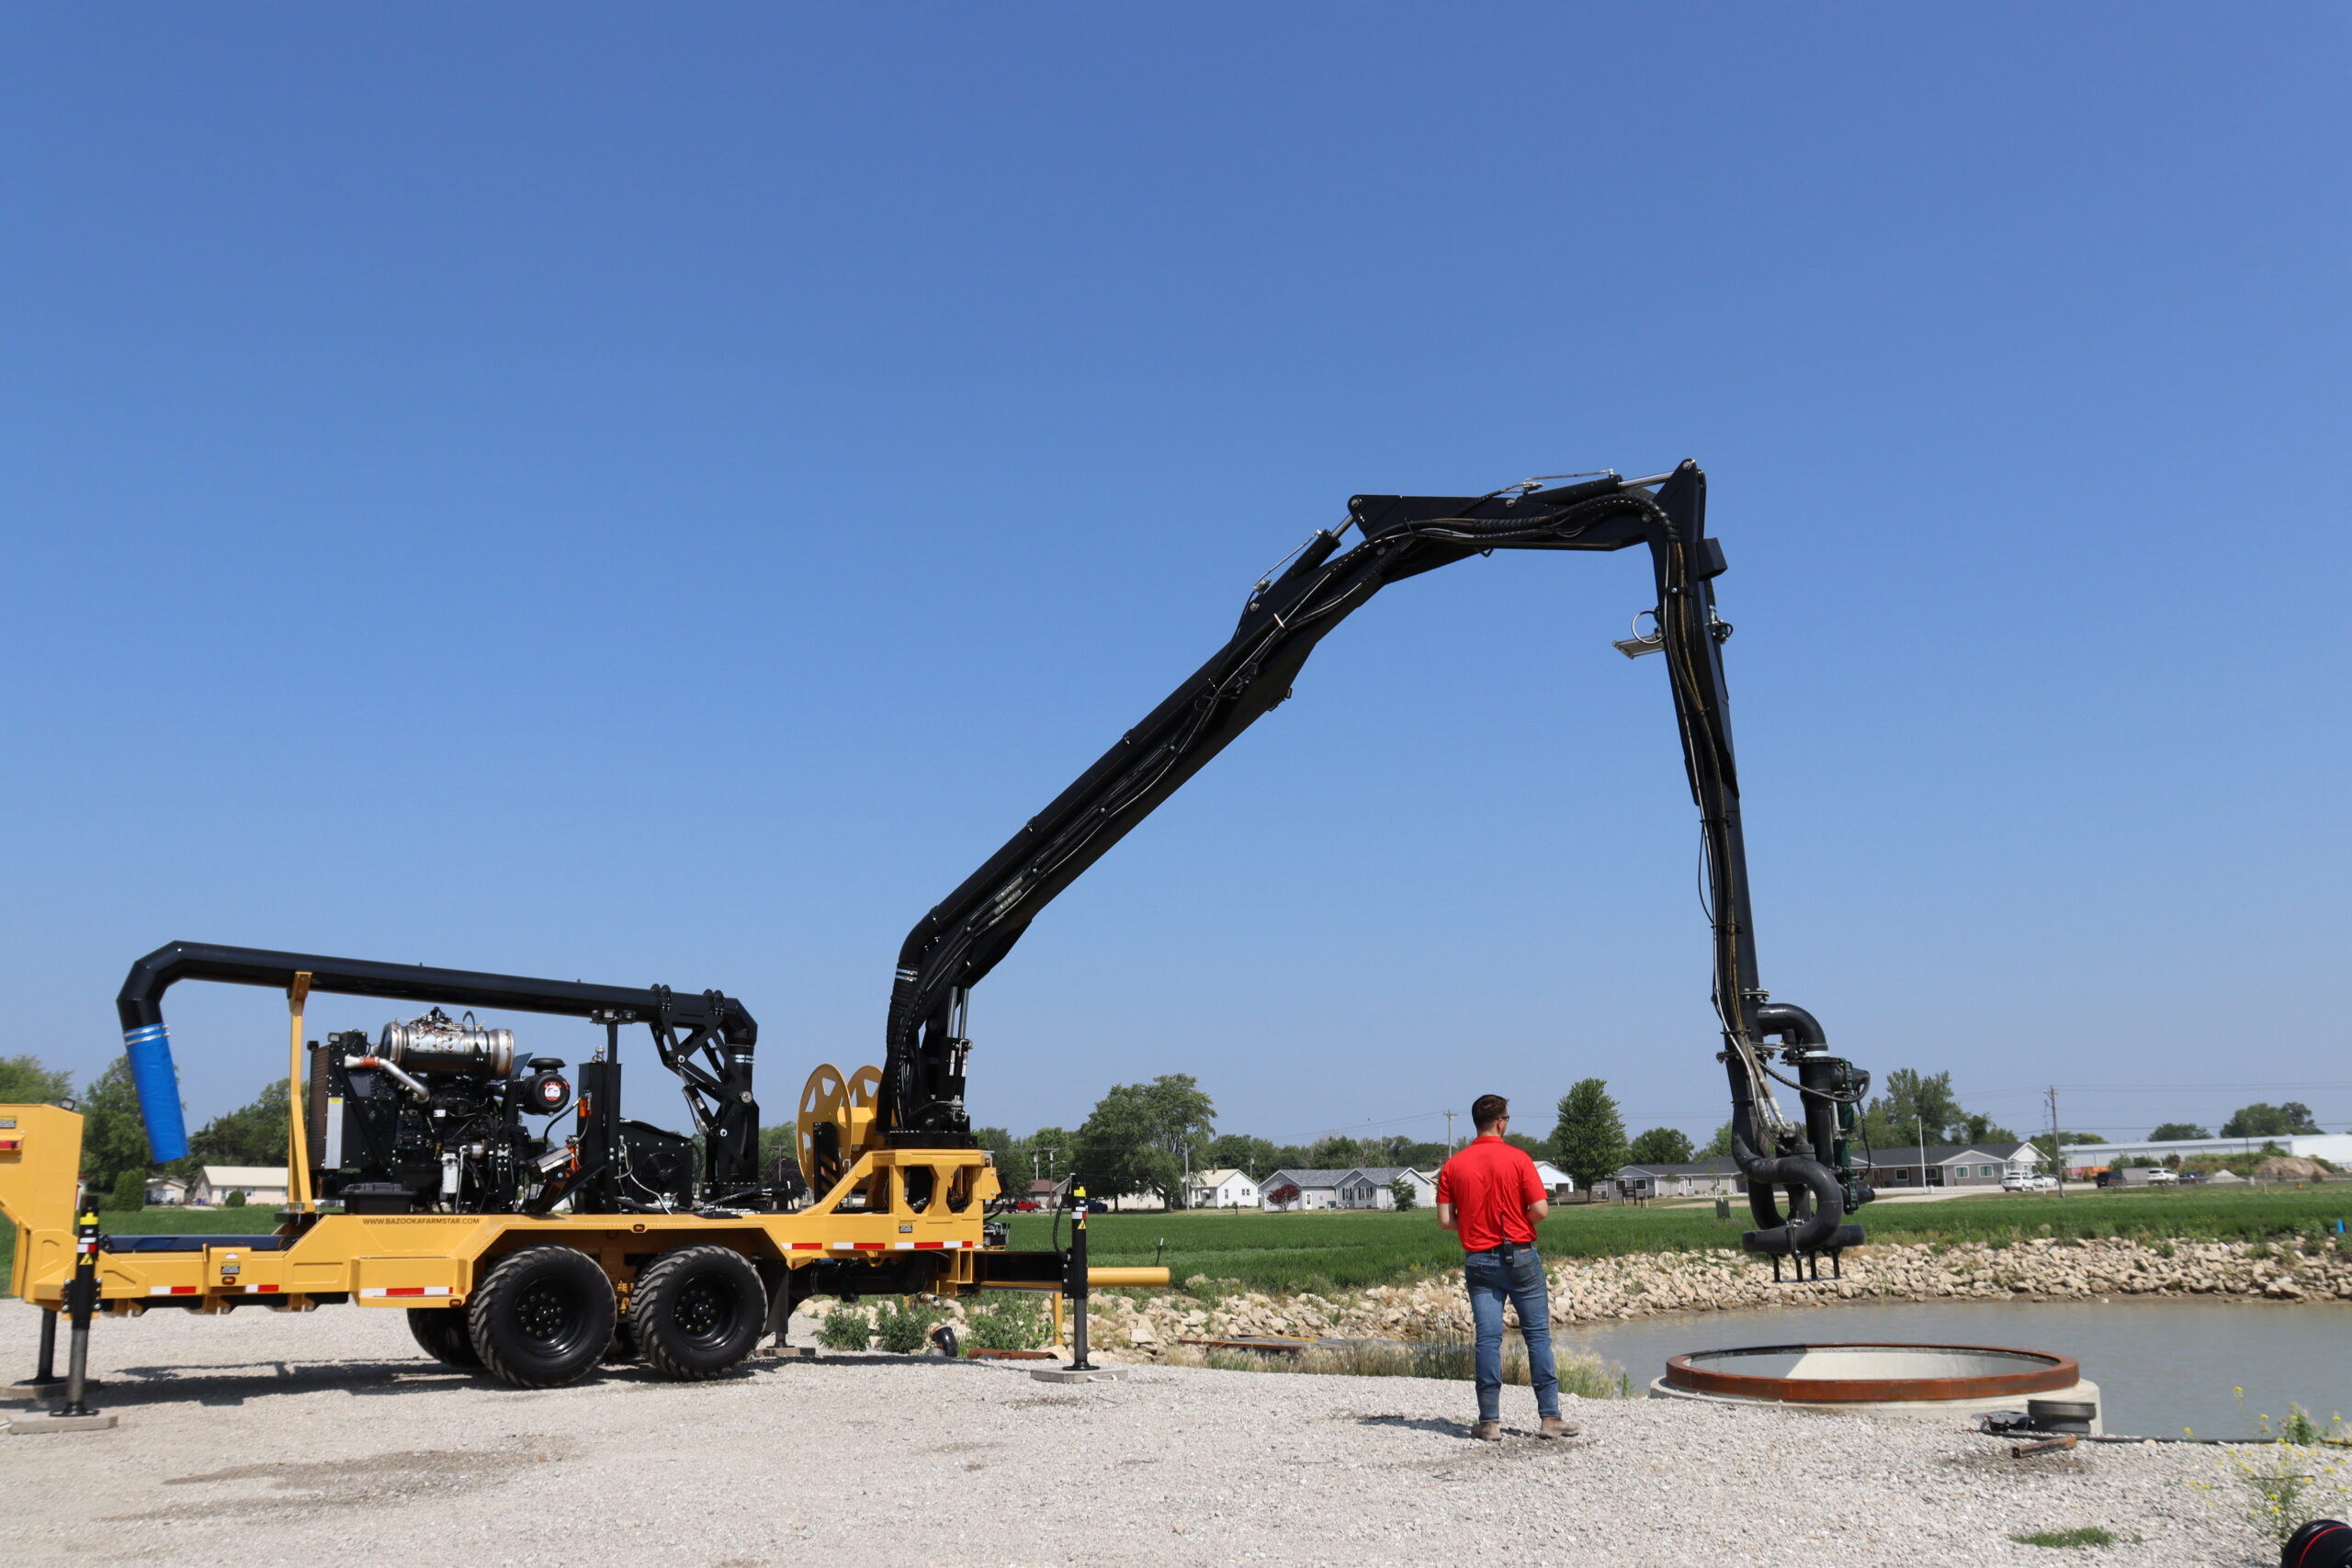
(33, 1425)
(1092, 1374)
(785, 1353)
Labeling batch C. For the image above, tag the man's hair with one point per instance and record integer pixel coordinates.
(1487, 1110)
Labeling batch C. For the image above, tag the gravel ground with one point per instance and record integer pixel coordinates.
(262, 1438)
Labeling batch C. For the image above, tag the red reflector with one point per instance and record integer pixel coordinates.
(872, 1246)
(405, 1291)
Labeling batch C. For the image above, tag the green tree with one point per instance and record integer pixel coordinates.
(1047, 1154)
(1136, 1139)
(1534, 1148)
(1914, 1105)
(1718, 1146)
(1589, 1138)
(1239, 1151)
(1404, 1194)
(24, 1081)
(113, 1137)
(1004, 1152)
(2171, 1131)
(129, 1192)
(1975, 1127)
(2265, 1120)
(251, 1134)
(1335, 1153)
(1660, 1145)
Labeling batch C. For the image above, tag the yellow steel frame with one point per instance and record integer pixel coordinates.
(428, 1260)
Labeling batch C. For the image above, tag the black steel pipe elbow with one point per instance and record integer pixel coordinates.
(1800, 1232)
(1792, 1023)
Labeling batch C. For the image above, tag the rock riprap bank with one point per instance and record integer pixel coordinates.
(1591, 1289)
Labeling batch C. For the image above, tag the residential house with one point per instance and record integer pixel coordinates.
(1294, 1191)
(263, 1185)
(1717, 1178)
(1373, 1187)
(1953, 1165)
(1558, 1183)
(1221, 1189)
(166, 1192)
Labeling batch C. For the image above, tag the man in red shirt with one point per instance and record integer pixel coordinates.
(1490, 1195)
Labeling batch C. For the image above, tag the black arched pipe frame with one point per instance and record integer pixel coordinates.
(684, 1023)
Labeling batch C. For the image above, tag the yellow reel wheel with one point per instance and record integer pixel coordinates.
(865, 1093)
(823, 1129)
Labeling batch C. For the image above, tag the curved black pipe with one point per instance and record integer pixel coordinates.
(1791, 1022)
(1801, 1232)
(146, 1042)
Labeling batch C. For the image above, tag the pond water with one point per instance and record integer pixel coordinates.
(2160, 1365)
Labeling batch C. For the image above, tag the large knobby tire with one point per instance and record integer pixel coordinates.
(697, 1310)
(542, 1317)
(441, 1331)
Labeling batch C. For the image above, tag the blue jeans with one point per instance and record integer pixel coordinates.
(1522, 1281)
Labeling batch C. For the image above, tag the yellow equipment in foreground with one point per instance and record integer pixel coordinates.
(552, 1294)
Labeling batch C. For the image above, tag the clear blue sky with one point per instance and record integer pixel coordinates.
(657, 494)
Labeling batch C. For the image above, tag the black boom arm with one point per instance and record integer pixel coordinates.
(971, 931)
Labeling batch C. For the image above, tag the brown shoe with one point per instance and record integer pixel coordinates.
(1487, 1431)
(1555, 1428)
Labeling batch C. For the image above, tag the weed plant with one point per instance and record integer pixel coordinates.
(2081, 1535)
(1007, 1321)
(903, 1327)
(846, 1328)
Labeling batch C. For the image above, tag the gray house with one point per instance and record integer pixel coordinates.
(1953, 1165)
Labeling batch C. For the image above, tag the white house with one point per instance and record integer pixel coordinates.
(1221, 1189)
(1557, 1182)
(166, 1192)
(263, 1185)
(1716, 1178)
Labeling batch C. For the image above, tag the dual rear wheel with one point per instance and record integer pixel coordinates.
(546, 1315)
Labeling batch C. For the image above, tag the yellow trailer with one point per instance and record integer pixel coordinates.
(540, 1299)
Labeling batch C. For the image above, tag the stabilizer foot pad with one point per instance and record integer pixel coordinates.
(1092, 1374)
(33, 1425)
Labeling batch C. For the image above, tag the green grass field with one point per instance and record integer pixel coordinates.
(1319, 1251)
(1328, 1250)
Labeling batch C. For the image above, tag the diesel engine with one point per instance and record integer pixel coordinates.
(434, 1118)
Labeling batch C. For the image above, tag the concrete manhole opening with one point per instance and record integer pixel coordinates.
(1938, 1379)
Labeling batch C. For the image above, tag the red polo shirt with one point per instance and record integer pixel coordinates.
(1490, 1183)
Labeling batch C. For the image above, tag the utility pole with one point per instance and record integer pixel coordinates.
(1919, 1125)
(1449, 1132)
(2056, 1153)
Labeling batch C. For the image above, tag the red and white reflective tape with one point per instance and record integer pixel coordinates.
(380, 1291)
(886, 1245)
(171, 1290)
(262, 1290)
